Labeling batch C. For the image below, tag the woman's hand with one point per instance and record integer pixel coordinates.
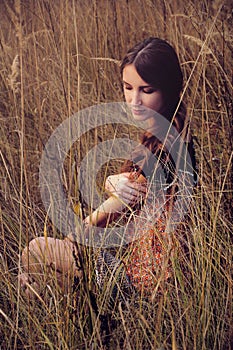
(128, 187)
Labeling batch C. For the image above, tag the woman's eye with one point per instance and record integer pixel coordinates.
(149, 90)
(126, 87)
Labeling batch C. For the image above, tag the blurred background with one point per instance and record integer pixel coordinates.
(58, 57)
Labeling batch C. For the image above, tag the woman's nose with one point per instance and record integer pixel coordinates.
(136, 98)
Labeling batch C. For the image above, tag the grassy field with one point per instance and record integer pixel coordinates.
(58, 57)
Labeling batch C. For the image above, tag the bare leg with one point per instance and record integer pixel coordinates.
(48, 260)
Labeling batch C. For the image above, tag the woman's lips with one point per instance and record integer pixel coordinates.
(138, 111)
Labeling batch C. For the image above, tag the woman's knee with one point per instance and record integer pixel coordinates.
(33, 255)
(48, 252)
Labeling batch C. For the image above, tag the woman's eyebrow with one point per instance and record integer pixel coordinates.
(142, 86)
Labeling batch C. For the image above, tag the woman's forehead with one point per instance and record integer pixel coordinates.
(131, 76)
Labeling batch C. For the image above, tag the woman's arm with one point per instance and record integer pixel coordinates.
(128, 193)
(106, 212)
(112, 208)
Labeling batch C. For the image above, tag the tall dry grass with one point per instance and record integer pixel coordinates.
(59, 57)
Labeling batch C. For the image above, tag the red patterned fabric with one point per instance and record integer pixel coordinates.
(148, 257)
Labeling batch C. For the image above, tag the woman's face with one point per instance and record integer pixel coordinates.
(140, 96)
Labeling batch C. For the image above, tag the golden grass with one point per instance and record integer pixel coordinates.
(59, 57)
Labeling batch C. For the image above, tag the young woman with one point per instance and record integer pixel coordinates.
(152, 83)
